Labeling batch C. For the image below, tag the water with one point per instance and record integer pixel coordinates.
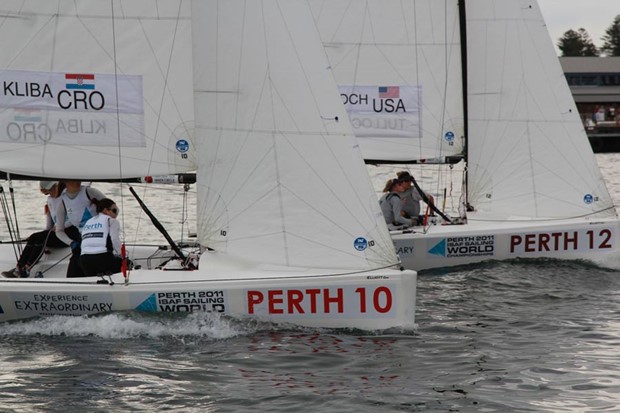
(535, 336)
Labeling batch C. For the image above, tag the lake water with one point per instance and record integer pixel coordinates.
(540, 336)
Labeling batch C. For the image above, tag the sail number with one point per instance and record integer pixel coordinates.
(324, 301)
(602, 242)
(381, 299)
(560, 241)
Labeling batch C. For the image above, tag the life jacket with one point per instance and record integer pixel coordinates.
(96, 235)
(79, 209)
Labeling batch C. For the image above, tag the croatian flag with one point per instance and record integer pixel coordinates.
(26, 115)
(80, 81)
(386, 92)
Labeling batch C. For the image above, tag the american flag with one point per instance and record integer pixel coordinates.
(386, 92)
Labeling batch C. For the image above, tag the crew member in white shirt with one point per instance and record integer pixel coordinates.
(101, 243)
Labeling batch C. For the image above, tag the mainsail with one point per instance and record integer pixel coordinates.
(398, 67)
(527, 156)
(280, 179)
(95, 90)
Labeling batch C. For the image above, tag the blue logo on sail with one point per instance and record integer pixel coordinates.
(588, 199)
(182, 145)
(148, 305)
(360, 244)
(439, 248)
(449, 136)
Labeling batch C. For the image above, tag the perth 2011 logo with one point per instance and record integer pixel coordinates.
(473, 246)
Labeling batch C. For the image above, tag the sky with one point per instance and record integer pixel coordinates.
(593, 15)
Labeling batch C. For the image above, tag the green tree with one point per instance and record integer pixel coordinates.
(577, 43)
(611, 39)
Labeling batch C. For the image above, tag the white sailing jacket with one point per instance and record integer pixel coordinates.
(100, 234)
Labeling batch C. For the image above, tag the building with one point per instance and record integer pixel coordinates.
(595, 85)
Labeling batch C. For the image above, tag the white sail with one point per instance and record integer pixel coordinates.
(95, 89)
(527, 150)
(530, 180)
(281, 181)
(398, 67)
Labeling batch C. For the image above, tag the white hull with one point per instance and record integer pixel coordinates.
(452, 245)
(370, 300)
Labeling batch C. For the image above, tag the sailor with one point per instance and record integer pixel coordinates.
(101, 243)
(38, 241)
(411, 196)
(391, 205)
(76, 208)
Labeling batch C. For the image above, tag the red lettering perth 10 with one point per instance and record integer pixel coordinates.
(319, 301)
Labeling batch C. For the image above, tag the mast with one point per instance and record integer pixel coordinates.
(463, 31)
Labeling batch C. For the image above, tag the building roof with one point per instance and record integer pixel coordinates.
(590, 64)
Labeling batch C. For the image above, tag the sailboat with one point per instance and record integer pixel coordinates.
(473, 85)
(286, 232)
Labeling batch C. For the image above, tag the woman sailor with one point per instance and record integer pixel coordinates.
(101, 243)
(410, 198)
(74, 210)
(391, 205)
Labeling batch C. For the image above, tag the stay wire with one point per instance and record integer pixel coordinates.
(17, 234)
(9, 222)
(118, 122)
(118, 132)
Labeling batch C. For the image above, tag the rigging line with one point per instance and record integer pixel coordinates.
(118, 124)
(184, 214)
(462, 12)
(103, 49)
(161, 229)
(17, 234)
(442, 121)
(165, 89)
(416, 51)
(428, 203)
(36, 260)
(9, 222)
(53, 265)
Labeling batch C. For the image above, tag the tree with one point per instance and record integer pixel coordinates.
(577, 43)
(611, 39)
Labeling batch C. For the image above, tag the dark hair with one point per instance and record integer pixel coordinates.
(60, 186)
(390, 184)
(404, 176)
(102, 204)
